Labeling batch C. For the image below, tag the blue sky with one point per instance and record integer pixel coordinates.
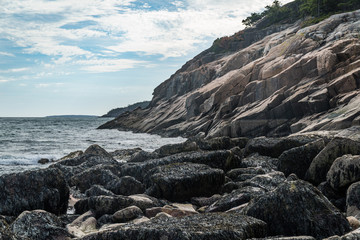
(89, 56)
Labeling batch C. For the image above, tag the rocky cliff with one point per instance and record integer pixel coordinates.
(117, 111)
(274, 81)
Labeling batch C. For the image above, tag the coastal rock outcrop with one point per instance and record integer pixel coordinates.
(271, 82)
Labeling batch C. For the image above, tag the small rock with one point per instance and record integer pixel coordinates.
(344, 171)
(266, 163)
(353, 200)
(235, 174)
(97, 150)
(205, 201)
(79, 228)
(127, 214)
(43, 161)
(354, 223)
(163, 215)
(72, 155)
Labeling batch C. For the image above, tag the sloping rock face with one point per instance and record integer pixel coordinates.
(271, 82)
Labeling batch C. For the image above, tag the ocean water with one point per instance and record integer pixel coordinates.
(23, 141)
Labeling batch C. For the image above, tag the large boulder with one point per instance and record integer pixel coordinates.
(40, 225)
(297, 208)
(39, 189)
(353, 200)
(344, 171)
(323, 161)
(297, 160)
(125, 186)
(223, 159)
(182, 181)
(200, 227)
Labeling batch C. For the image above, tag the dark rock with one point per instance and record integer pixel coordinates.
(124, 154)
(353, 200)
(105, 219)
(182, 181)
(344, 171)
(97, 190)
(127, 214)
(230, 186)
(172, 149)
(72, 155)
(292, 177)
(97, 150)
(95, 175)
(225, 160)
(297, 208)
(205, 201)
(40, 225)
(220, 143)
(142, 156)
(266, 163)
(297, 160)
(268, 181)
(125, 186)
(337, 198)
(203, 226)
(5, 232)
(323, 161)
(286, 238)
(44, 161)
(236, 174)
(39, 189)
(235, 198)
(82, 206)
(274, 147)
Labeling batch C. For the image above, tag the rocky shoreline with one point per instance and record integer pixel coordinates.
(302, 186)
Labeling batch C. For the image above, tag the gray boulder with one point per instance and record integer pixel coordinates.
(181, 181)
(199, 227)
(344, 171)
(268, 164)
(353, 200)
(297, 160)
(125, 186)
(237, 174)
(40, 225)
(268, 181)
(323, 161)
(297, 208)
(39, 189)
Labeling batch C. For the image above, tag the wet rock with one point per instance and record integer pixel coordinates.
(353, 200)
(97, 190)
(94, 176)
(323, 161)
(125, 186)
(127, 214)
(297, 208)
(344, 171)
(297, 160)
(235, 198)
(203, 226)
(181, 181)
(39, 224)
(266, 163)
(222, 159)
(72, 155)
(39, 189)
(43, 161)
(274, 147)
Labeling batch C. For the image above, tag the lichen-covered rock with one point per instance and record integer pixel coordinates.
(200, 227)
(171, 149)
(323, 161)
(344, 171)
(220, 143)
(39, 224)
(297, 160)
(266, 163)
(353, 200)
(97, 190)
(125, 186)
(274, 147)
(94, 176)
(182, 181)
(237, 173)
(268, 181)
(235, 198)
(38, 189)
(223, 159)
(127, 214)
(297, 208)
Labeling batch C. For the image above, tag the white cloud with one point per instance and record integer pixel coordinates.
(7, 54)
(14, 70)
(47, 85)
(109, 65)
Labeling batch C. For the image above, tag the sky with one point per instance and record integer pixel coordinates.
(60, 57)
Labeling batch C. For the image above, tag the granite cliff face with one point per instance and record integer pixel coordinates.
(273, 81)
